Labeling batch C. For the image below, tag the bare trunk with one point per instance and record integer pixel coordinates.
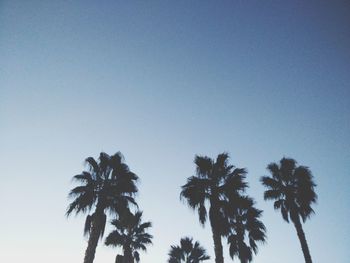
(128, 258)
(219, 258)
(92, 244)
(302, 239)
(119, 259)
(213, 216)
(93, 237)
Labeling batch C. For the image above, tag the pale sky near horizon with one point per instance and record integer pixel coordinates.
(161, 81)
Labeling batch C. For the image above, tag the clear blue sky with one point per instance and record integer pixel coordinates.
(161, 81)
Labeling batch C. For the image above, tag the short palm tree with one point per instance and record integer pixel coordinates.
(215, 180)
(246, 229)
(292, 189)
(107, 186)
(187, 252)
(131, 234)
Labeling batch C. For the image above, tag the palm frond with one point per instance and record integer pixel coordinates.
(287, 167)
(274, 170)
(245, 225)
(80, 190)
(84, 177)
(195, 191)
(204, 166)
(272, 194)
(285, 213)
(93, 166)
(136, 256)
(81, 204)
(202, 213)
(270, 183)
(292, 187)
(103, 220)
(235, 182)
(100, 191)
(115, 239)
(130, 231)
(87, 226)
(187, 252)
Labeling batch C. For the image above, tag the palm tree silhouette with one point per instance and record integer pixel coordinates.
(107, 186)
(187, 252)
(292, 188)
(246, 229)
(215, 180)
(130, 234)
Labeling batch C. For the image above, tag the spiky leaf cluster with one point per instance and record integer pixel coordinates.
(130, 233)
(292, 188)
(107, 185)
(187, 252)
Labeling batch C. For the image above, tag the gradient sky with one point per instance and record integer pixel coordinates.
(161, 81)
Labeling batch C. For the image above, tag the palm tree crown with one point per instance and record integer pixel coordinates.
(187, 252)
(293, 190)
(246, 229)
(131, 234)
(107, 186)
(214, 183)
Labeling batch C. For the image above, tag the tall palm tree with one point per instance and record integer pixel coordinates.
(292, 188)
(214, 181)
(131, 234)
(187, 252)
(246, 228)
(107, 186)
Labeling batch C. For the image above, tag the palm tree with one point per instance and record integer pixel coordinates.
(130, 234)
(245, 225)
(187, 252)
(215, 180)
(292, 188)
(107, 186)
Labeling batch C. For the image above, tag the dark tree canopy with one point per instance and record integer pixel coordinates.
(246, 229)
(292, 189)
(215, 185)
(130, 233)
(187, 252)
(107, 186)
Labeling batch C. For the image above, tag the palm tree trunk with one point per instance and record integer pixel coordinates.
(119, 259)
(128, 255)
(302, 239)
(219, 258)
(213, 216)
(94, 236)
(92, 243)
